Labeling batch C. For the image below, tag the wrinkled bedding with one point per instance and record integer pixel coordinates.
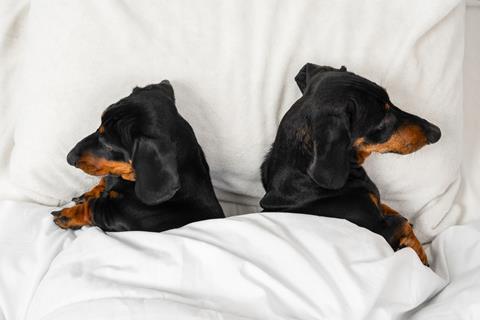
(256, 266)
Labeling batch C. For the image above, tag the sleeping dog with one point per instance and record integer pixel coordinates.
(315, 163)
(154, 173)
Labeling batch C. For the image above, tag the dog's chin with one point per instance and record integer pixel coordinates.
(90, 169)
(409, 148)
(128, 176)
(104, 168)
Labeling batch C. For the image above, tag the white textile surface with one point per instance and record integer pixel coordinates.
(79, 58)
(257, 266)
(469, 195)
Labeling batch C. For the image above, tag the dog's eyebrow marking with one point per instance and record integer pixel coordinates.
(101, 130)
(387, 106)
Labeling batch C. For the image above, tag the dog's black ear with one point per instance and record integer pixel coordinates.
(309, 70)
(155, 165)
(167, 88)
(304, 75)
(330, 164)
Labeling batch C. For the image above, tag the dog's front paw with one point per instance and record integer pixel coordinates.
(74, 217)
(408, 239)
(95, 193)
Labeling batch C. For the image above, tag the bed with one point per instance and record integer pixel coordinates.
(232, 65)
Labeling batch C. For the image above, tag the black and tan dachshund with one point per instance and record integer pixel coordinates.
(315, 163)
(154, 174)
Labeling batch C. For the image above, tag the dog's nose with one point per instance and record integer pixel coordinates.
(72, 158)
(433, 133)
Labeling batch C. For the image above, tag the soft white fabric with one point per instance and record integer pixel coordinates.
(13, 17)
(28, 245)
(29, 242)
(457, 259)
(257, 266)
(469, 195)
(232, 65)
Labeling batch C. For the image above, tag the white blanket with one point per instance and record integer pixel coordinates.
(257, 266)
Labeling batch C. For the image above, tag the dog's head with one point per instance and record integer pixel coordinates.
(349, 117)
(135, 141)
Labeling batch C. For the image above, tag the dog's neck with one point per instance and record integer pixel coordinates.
(302, 189)
(194, 199)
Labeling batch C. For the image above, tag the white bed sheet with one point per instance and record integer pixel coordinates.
(258, 266)
(469, 195)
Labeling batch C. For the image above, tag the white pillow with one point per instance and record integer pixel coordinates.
(469, 194)
(232, 65)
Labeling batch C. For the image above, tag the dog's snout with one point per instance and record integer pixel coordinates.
(433, 133)
(72, 158)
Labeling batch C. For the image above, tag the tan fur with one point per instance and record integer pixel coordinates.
(101, 167)
(96, 191)
(374, 199)
(74, 217)
(405, 140)
(406, 236)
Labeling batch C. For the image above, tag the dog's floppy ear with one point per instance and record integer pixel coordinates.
(304, 75)
(155, 163)
(167, 88)
(330, 163)
(309, 70)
